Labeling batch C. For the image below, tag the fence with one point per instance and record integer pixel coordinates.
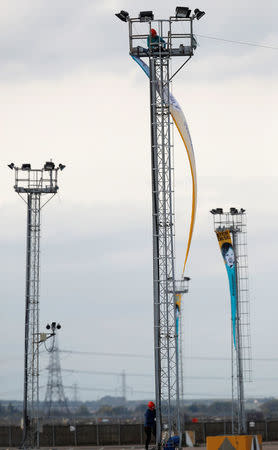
(124, 434)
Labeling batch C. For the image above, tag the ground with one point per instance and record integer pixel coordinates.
(266, 446)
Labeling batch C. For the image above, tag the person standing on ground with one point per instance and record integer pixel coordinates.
(150, 423)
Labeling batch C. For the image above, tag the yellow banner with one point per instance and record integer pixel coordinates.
(178, 301)
(224, 236)
(226, 246)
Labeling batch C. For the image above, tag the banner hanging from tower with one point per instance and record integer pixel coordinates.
(227, 250)
(182, 127)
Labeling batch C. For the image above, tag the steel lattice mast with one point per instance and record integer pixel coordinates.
(33, 183)
(235, 222)
(182, 44)
(55, 399)
(166, 373)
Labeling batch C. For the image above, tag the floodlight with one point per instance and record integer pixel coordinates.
(11, 166)
(219, 211)
(242, 210)
(53, 325)
(233, 211)
(146, 16)
(61, 166)
(49, 165)
(199, 14)
(182, 11)
(213, 211)
(48, 326)
(123, 16)
(26, 167)
(58, 326)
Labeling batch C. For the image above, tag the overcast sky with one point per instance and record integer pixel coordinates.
(70, 92)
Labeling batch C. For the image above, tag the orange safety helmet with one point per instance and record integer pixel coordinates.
(153, 32)
(151, 405)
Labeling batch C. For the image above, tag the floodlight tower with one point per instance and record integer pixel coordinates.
(235, 222)
(31, 185)
(174, 39)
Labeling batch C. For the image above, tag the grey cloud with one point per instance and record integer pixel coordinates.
(52, 41)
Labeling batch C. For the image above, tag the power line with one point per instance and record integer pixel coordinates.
(96, 372)
(126, 355)
(137, 355)
(134, 355)
(141, 392)
(231, 41)
(148, 375)
(108, 390)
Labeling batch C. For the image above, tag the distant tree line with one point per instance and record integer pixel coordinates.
(9, 411)
(202, 410)
(217, 409)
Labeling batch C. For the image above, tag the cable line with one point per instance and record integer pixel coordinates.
(134, 355)
(231, 41)
(128, 355)
(96, 372)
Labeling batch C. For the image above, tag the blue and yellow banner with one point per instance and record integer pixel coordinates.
(178, 311)
(182, 127)
(178, 302)
(227, 250)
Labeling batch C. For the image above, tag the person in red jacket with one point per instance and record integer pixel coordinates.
(155, 42)
(150, 423)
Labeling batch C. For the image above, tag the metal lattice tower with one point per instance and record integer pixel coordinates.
(241, 358)
(166, 352)
(178, 42)
(124, 388)
(31, 185)
(181, 288)
(55, 401)
(75, 393)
